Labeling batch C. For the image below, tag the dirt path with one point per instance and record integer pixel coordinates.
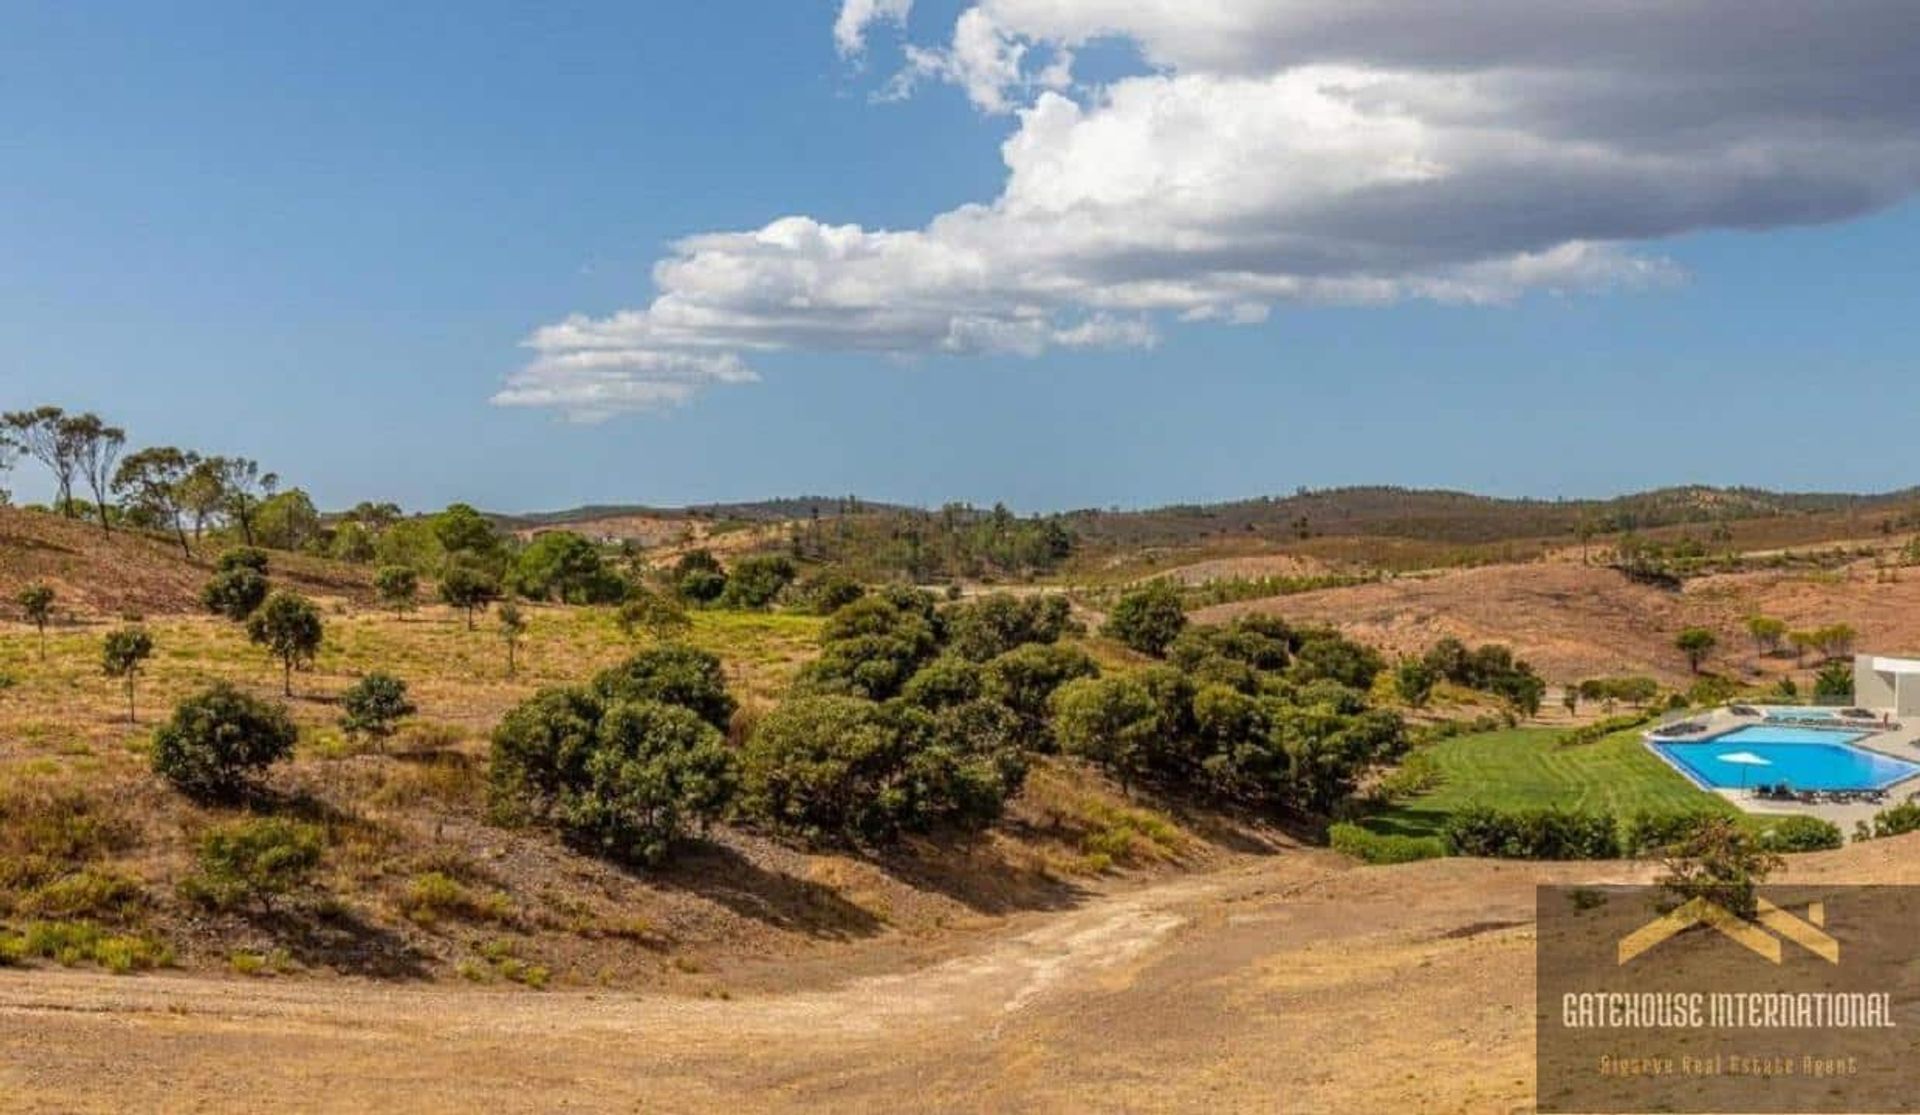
(1292, 983)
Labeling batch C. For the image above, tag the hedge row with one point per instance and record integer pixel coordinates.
(1572, 834)
(1601, 729)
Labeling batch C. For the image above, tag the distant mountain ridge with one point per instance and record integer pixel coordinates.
(1377, 510)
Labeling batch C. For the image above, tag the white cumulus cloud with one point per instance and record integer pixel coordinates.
(1272, 151)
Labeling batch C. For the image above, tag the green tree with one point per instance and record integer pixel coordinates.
(851, 770)
(563, 566)
(287, 520)
(1149, 618)
(242, 488)
(36, 603)
(154, 484)
(235, 591)
(653, 770)
(1719, 861)
(468, 588)
(996, 623)
(462, 531)
(257, 860)
(373, 706)
(1114, 722)
(288, 625)
(674, 674)
(1024, 678)
(697, 576)
(1696, 643)
(95, 447)
(1413, 679)
(657, 614)
(1767, 633)
(755, 582)
(121, 656)
(513, 627)
(219, 740)
(42, 433)
(398, 586)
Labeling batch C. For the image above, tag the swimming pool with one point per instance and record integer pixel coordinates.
(1804, 758)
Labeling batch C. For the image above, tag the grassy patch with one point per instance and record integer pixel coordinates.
(1525, 768)
(434, 897)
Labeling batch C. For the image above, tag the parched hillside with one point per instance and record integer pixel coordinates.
(1575, 621)
(130, 573)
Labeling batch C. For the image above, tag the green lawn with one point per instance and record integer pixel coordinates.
(1524, 768)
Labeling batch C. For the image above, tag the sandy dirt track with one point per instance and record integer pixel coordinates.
(1292, 983)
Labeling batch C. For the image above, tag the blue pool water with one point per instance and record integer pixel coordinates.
(1804, 758)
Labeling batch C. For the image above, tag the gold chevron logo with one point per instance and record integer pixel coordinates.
(1762, 935)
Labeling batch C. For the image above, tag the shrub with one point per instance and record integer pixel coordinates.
(539, 748)
(250, 558)
(827, 591)
(869, 649)
(1149, 618)
(842, 768)
(653, 769)
(434, 895)
(373, 705)
(234, 593)
(1902, 818)
(1800, 834)
(1652, 831)
(945, 681)
(397, 586)
(561, 565)
(1535, 834)
(754, 582)
(995, 624)
(1326, 655)
(1023, 679)
(656, 614)
(121, 656)
(218, 740)
(1112, 721)
(1601, 729)
(254, 861)
(1834, 682)
(674, 674)
(1413, 682)
(1378, 848)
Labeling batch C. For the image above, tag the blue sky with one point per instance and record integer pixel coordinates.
(319, 234)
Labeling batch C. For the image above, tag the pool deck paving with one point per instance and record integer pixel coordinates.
(1902, 741)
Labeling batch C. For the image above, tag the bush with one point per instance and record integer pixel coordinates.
(1149, 618)
(673, 674)
(1377, 848)
(219, 740)
(1601, 729)
(373, 705)
(1112, 721)
(827, 591)
(1023, 679)
(846, 769)
(1902, 818)
(250, 558)
(869, 649)
(946, 681)
(254, 861)
(995, 624)
(539, 749)
(563, 566)
(1800, 834)
(1649, 832)
(754, 582)
(234, 593)
(653, 769)
(1327, 655)
(1535, 834)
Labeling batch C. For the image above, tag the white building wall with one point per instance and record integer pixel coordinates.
(1871, 688)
